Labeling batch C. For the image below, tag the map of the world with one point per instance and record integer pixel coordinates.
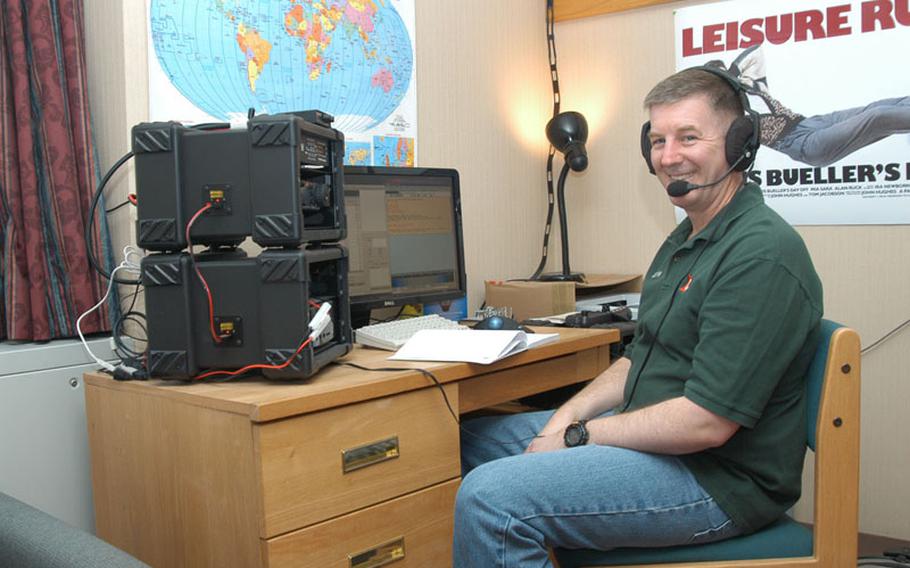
(350, 58)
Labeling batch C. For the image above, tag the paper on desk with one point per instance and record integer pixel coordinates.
(469, 346)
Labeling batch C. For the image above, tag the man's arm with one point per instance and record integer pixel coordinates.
(599, 396)
(676, 426)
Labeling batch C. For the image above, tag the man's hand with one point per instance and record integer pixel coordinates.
(602, 394)
(550, 438)
(547, 443)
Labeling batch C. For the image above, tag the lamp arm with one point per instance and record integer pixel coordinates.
(563, 221)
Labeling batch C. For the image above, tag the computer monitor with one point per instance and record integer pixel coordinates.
(404, 238)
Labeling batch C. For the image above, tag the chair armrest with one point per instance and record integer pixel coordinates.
(30, 538)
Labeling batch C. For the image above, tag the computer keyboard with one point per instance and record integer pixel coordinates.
(393, 334)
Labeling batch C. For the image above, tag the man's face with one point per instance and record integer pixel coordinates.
(687, 143)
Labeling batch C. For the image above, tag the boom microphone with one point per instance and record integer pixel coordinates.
(680, 187)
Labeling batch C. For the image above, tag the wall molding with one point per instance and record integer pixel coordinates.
(575, 9)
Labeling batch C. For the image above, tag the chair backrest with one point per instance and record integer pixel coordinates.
(833, 433)
(815, 380)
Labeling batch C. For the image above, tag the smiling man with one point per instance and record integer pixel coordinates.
(688, 144)
(697, 434)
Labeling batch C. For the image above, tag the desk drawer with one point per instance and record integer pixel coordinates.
(325, 464)
(410, 531)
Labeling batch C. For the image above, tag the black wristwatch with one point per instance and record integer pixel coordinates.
(576, 434)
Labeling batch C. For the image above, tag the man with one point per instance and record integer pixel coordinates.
(698, 434)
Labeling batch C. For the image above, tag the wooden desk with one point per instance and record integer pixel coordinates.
(346, 469)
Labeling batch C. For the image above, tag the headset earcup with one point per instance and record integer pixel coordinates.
(646, 145)
(739, 142)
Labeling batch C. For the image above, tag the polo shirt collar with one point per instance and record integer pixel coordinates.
(745, 199)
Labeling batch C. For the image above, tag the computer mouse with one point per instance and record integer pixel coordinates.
(497, 322)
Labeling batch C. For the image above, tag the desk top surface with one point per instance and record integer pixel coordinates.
(335, 385)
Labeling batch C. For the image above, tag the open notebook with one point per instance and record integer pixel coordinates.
(469, 346)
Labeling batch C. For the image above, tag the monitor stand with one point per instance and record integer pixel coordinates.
(360, 316)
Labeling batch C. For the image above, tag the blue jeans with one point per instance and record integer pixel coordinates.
(823, 139)
(512, 506)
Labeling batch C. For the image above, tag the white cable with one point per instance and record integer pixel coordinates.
(131, 259)
(320, 321)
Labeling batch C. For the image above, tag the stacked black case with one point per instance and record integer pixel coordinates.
(279, 181)
(281, 177)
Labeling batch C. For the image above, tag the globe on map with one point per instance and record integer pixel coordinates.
(349, 58)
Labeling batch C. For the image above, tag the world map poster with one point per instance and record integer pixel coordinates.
(214, 60)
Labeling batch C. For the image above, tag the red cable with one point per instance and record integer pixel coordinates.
(205, 286)
(215, 336)
(257, 365)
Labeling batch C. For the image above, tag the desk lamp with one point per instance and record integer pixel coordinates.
(567, 132)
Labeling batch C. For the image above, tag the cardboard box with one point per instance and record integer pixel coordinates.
(531, 299)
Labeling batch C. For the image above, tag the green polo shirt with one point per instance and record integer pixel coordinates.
(729, 319)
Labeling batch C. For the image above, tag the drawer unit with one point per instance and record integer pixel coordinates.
(411, 531)
(349, 469)
(320, 465)
(217, 484)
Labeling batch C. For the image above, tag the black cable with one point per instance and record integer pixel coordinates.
(554, 78)
(425, 372)
(128, 355)
(438, 384)
(120, 346)
(132, 365)
(116, 207)
(119, 333)
(884, 338)
(90, 223)
(135, 296)
(687, 274)
(96, 198)
(393, 318)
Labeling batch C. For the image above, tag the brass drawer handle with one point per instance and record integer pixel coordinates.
(369, 454)
(379, 556)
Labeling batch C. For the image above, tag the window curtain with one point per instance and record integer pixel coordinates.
(47, 175)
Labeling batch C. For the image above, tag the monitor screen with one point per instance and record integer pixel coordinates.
(404, 237)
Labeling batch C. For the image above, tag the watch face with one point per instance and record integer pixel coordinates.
(576, 435)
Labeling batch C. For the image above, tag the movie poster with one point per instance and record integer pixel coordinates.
(830, 82)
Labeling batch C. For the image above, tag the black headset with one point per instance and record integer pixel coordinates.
(743, 137)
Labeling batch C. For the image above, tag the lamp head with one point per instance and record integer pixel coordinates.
(568, 132)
